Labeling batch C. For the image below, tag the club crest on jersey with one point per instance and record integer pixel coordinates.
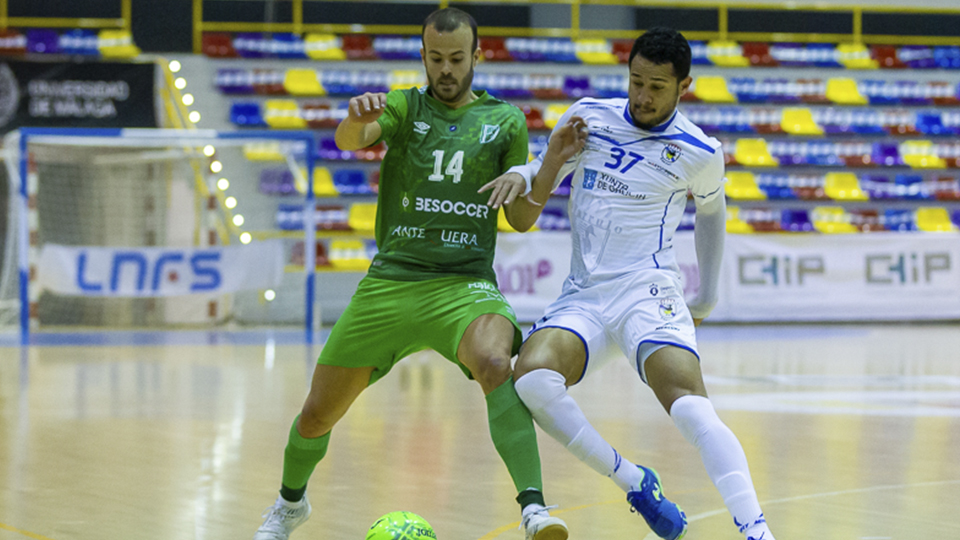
(589, 178)
(489, 133)
(654, 289)
(421, 128)
(668, 309)
(671, 153)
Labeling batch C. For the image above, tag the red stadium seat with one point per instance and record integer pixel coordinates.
(495, 49)
(534, 117)
(759, 55)
(218, 45)
(358, 47)
(621, 49)
(886, 56)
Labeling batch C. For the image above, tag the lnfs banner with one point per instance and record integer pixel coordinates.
(76, 94)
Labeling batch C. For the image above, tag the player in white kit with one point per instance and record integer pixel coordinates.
(629, 189)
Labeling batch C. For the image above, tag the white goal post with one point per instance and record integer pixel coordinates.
(156, 228)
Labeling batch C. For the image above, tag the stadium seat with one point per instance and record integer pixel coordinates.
(713, 90)
(397, 47)
(795, 220)
(327, 149)
(947, 57)
(931, 123)
(866, 220)
(526, 49)
(775, 186)
(899, 219)
(218, 45)
(363, 217)
(763, 220)
(855, 56)
(736, 225)
(324, 47)
(534, 117)
(621, 49)
(43, 41)
(286, 45)
(742, 186)
(823, 55)
(808, 187)
(349, 255)
(832, 220)
(372, 153)
(318, 115)
(843, 186)
(946, 188)
(844, 91)
(546, 87)
(886, 56)
(246, 114)
(754, 153)
(322, 182)
(698, 53)
(595, 52)
(331, 217)
(495, 49)
(727, 54)
(553, 218)
(934, 219)
(877, 187)
(351, 182)
(955, 217)
(12, 42)
(561, 51)
(609, 86)
(302, 82)
(812, 91)
(251, 45)
(235, 81)
(268, 82)
(358, 47)
(276, 182)
(79, 42)
(799, 121)
(577, 86)
(401, 79)
(263, 151)
(758, 54)
(945, 93)
(909, 186)
(921, 155)
(553, 113)
(283, 114)
(885, 154)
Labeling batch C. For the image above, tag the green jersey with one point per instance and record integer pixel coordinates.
(431, 222)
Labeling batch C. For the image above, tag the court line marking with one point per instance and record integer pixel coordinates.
(28, 534)
(704, 515)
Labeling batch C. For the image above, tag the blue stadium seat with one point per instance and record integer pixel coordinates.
(917, 56)
(43, 41)
(898, 219)
(339, 83)
(823, 55)
(776, 186)
(562, 51)
(947, 57)
(351, 182)
(609, 86)
(886, 154)
(277, 182)
(287, 45)
(577, 86)
(235, 81)
(553, 218)
(931, 123)
(527, 49)
(80, 42)
(251, 45)
(795, 220)
(910, 186)
(878, 187)
(246, 114)
(698, 50)
(747, 90)
(397, 47)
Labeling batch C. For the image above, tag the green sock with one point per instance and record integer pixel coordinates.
(299, 459)
(511, 428)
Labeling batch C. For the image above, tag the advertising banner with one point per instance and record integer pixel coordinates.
(156, 272)
(76, 94)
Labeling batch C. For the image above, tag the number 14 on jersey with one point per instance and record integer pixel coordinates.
(454, 167)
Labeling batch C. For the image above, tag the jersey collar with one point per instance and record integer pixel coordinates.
(655, 129)
(482, 96)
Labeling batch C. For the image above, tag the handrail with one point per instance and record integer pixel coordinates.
(122, 23)
(574, 31)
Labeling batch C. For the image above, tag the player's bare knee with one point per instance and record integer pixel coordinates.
(491, 371)
(315, 422)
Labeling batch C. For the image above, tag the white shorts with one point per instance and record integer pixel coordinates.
(639, 314)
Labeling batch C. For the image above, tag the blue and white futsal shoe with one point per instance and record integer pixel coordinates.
(665, 519)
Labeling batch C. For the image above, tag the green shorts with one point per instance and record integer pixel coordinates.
(388, 320)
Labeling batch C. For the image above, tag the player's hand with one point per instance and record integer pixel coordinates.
(367, 108)
(569, 139)
(506, 188)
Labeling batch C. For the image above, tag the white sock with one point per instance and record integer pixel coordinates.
(544, 392)
(724, 460)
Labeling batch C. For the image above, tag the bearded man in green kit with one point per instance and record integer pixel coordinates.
(431, 285)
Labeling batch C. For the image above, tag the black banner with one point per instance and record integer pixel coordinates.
(76, 94)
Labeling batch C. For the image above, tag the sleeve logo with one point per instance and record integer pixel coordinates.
(489, 133)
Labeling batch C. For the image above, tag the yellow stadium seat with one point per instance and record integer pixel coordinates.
(303, 82)
(856, 56)
(263, 152)
(322, 182)
(283, 114)
(832, 220)
(402, 79)
(920, 155)
(363, 217)
(323, 47)
(844, 186)
(713, 90)
(727, 54)
(742, 186)
(735, 225)
(754, 153)
(799, 121)
(595, 51)
(504, 226)
(117, 44)
(349, 255)
(935, 219)
(553, 113)
(844, 91)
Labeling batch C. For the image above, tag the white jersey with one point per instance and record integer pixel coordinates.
(629, 190)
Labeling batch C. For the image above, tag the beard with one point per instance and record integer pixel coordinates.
(452, 94)
(659, 119)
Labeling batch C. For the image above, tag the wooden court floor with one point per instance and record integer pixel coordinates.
(852, 433)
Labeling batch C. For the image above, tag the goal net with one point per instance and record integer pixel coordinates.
(134, 229)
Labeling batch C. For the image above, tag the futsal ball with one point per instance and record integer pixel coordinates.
(400, 526)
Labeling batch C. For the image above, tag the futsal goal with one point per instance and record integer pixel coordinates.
(152, 228)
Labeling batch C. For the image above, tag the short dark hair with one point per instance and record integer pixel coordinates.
(661, 45)
(448, 20)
